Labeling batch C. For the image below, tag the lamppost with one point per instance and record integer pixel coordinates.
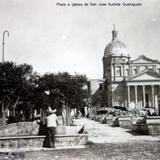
(5, 32)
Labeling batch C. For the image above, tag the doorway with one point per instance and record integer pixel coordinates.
(146, 101)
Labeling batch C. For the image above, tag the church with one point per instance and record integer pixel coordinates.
(129, 83)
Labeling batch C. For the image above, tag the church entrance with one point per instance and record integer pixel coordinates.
(146, 105)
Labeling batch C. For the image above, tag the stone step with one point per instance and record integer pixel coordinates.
(40, 141)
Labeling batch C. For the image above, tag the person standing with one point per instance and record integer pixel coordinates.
(52, 123)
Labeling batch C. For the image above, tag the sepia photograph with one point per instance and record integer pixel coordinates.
(80, 80)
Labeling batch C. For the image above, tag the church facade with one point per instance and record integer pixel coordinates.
(129, 83)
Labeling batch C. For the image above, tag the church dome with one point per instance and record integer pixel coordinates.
(115, 47)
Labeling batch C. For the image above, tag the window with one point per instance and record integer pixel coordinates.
(159, 70)
(118, 71)
(127, 71)
(151, 68)
(135, 71)
(142, 68)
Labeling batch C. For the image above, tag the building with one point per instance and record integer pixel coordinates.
(129, 83)
(94, 85)
(95, 89)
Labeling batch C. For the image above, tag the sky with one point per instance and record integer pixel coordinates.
(55, 38)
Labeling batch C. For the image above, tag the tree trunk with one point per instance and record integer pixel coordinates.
(4, 113)
(30, 114)
(64, 115)
(67, 116)
(14, 106)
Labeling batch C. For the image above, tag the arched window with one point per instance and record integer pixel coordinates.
(127, 71)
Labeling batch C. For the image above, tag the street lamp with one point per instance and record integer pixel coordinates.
(5, 32)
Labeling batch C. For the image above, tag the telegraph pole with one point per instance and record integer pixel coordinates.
(5, 32)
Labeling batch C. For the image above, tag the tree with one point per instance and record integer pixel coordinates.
(72, 89)
(21, 89)
(16, 83)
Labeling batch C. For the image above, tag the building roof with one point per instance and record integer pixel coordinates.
(94, 85)
(144, 59)
(146, 75)
(115, 47)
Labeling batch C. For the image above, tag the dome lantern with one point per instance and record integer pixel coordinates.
(114, 34)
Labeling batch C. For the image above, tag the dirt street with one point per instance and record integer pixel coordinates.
(102, 133)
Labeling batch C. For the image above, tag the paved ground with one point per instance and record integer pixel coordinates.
(102, 133)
